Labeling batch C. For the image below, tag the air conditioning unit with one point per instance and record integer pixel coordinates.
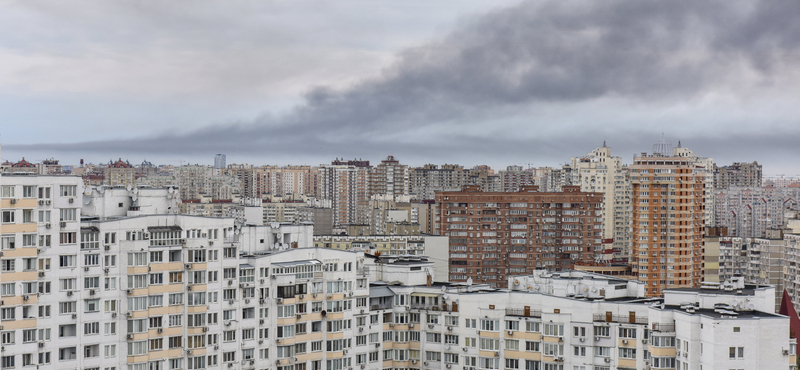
(189, 287)
(63, 224)
(786, 352)
(262, 301)
(274, 276)
(299, 316)
(230, 282)
(279, 300)
(160, 330)
(315, 295)
(205, 329)
(425, 363)
(41, 273)
(129, 336)
(188, 352)
(260, 341)
(464, 349)
(582, 339)
(188, 266)
(230, 364)
(430, 326)
(92, 292)
(86, 268)
(26, 297)
(644, 341)
(391, 324)
(41, 202)
(41, 343)
(361, 329)
(596, 338)
(329, 297)
(560, 339)
(48, 201)
(113, 314)
(261, 321)
(624, 341)
(107, 247)
(129, 291)
(277, 362)
(48, 225)
(72, 200)
(216, 347)
(497, 354)
(277, 340)
(559, 359)
(230, 301)
(607, 359)
(228, 323)
(13, 200)
(377, 345)
(510, 332)
(69, 293)
(301, 296)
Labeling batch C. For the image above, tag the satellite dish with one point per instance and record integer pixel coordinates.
(128, 187)
(88, 191)
(170, 190)
(134, 197)
(135, 190)
(87, 201)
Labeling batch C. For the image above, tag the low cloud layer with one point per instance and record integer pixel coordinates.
(541, 80)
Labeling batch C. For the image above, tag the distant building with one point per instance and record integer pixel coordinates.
(743, 175)
(219, 161)
(120, 173)
(345, 184)
(389, 178)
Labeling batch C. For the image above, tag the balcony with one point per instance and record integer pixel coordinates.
(663, 327)
(524, 312)
(622, 319)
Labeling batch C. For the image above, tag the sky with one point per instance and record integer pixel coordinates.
(529, 83)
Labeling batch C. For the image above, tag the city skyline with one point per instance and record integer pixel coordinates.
(514, 83)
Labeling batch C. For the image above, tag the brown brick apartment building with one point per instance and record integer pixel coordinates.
(497, 234)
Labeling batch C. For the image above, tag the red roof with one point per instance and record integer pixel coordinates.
(787, 308)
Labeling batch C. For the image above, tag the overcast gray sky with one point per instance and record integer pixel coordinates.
(470, 82)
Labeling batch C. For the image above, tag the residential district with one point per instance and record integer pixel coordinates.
(670, 261)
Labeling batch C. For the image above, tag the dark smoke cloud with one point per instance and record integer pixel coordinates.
(512, 63)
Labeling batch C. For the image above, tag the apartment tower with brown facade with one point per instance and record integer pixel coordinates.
(668, 221)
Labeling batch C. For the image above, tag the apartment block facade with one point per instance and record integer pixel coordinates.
(494, 235)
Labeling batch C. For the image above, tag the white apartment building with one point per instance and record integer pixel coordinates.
(599, 171)
(573, 321)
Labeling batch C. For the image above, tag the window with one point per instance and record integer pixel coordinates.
(68, 214)
(8, 217)
(601, 331)
(736, 352)
(8, 242)
(29, 191)
(489, 325)
(68, 190)
(627, 353)
(627, 333)
(7, 191)
(91, 328)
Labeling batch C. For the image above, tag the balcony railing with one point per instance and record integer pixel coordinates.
(523, 312)
(623, 319)
(663, 327)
